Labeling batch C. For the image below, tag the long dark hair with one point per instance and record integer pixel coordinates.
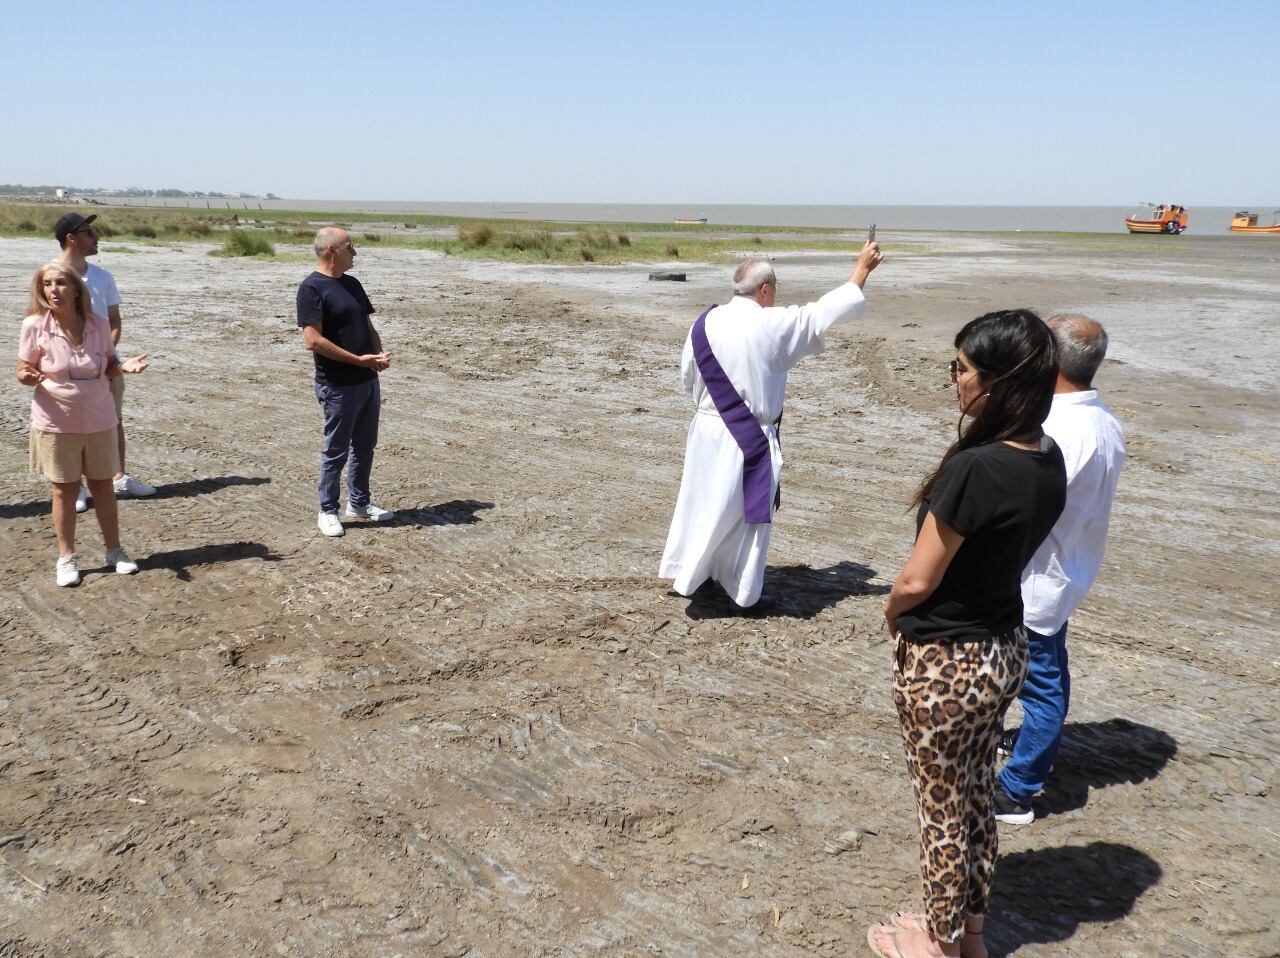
(1017, 358)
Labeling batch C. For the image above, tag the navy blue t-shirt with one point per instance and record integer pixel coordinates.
(339, 306)
(1004, 501)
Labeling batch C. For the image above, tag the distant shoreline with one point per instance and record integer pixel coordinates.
(843, 221)
(1205, 220)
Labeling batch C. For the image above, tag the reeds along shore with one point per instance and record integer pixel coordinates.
(256, 233)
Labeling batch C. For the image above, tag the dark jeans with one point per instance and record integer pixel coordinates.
(1045, 698)
(350, 431)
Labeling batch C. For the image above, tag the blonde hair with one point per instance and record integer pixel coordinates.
(40, 305)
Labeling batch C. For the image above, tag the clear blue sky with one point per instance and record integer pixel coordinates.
(830, 102)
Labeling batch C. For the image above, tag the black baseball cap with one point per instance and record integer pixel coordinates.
(70, 223)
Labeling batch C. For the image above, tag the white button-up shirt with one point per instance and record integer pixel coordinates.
(1064, 567)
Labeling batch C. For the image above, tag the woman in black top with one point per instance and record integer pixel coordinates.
(955, 613)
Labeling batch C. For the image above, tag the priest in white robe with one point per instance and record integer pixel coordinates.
(755, 344)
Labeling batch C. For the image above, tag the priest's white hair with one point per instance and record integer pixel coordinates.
(750, 275)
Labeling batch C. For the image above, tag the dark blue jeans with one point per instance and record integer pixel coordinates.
(350, 432)
(1045, 698)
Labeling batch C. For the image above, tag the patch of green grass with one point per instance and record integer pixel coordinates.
(244, 243)
(475, 235)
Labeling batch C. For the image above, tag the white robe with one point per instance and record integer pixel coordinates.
(756, 346)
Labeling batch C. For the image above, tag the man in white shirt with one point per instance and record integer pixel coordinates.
(728, 492)
(1063, 569)
(78, 238)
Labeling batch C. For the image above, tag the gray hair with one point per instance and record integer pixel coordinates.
(1082, 345)
(750, 275)
(328, 237)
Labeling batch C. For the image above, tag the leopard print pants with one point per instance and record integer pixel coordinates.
(951, 700)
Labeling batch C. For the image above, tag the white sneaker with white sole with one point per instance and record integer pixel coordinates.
(66, 572)
(330, 524)
(129, 486)
(82, 499)
(124, 565)
(371, 512)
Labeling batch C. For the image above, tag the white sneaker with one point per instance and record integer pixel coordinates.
(124, 565)
(371, 512)
(66, 571)
(129, 486)
(330, 524)
(82, 499)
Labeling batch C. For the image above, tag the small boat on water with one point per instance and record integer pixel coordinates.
(1165, 218)
(1246, 222)
(686, 221)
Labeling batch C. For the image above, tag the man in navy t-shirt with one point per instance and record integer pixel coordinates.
(335, 316)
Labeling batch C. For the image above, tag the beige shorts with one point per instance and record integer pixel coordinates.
(117, 393)
(66, 456)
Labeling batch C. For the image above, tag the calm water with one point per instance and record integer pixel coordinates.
(1205, 220)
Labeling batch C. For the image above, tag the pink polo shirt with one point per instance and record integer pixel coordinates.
(76, 397)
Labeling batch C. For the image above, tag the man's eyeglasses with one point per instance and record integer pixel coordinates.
(88, 231)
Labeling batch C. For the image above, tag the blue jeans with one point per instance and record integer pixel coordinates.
(350, 432)
(1045, 698)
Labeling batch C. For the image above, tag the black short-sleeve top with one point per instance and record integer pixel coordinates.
(340, 307)
(1004, 501)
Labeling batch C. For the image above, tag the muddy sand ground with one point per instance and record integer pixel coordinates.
(489, 729)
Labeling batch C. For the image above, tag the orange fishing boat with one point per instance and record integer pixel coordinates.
(1165, 218)
(1246, 222)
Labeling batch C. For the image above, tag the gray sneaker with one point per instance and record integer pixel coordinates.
(330, 524)
(1009, 811)
(82, 499)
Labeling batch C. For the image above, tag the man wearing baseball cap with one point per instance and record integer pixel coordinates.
(78, 238)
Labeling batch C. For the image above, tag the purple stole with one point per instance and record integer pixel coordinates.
(757, 462)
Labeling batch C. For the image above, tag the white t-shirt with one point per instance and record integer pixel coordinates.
(1062, 571)
(102, 290)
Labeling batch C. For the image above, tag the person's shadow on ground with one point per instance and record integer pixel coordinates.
(797, 592)
(171, 490)
(1098, 754)
(25, 510)
(180, 561)
(1043, 896)
(455, 512)
(200, 487)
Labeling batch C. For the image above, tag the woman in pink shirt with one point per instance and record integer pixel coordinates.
(67, 355)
